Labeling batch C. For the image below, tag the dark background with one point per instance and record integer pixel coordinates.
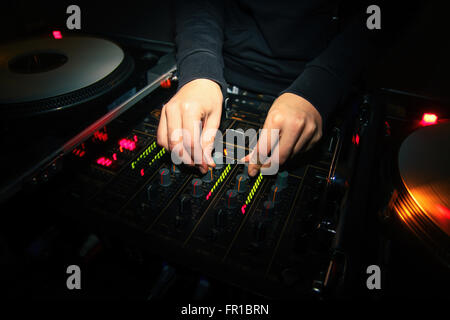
(418, 61)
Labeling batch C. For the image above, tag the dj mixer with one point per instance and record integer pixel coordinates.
(250, 231)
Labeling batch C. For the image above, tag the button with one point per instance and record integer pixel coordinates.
(196, 188)
(242, 183)
(231, 199)
(164, 177)
(282, 179)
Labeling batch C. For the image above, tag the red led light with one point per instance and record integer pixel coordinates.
(166, 84)
(209, 195)
(243, 208)
(429, 119)
(115, 156)
(142, 172)
(57, 34)
(104, 161)
(102, 136)
(355, 139)
(127, 144)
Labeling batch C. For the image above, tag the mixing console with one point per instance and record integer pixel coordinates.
(263, 233)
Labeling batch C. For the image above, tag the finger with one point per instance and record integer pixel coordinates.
(173, 138)
(161, 134)
(191, 138)
(268, 138)
(210, 127)
(174, 125)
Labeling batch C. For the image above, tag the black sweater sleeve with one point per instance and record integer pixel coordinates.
(328, 77)
(199, 40)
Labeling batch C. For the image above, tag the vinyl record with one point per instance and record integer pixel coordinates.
(45, 74)
(423, 199)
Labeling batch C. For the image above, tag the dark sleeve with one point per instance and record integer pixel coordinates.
(199, 40)
(327, 78)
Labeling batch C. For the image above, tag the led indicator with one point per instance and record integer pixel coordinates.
(429, 119)
(166, 83)
(104, 162)
(57, 34)
(127, 144)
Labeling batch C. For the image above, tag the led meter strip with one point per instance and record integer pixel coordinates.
(252, 192)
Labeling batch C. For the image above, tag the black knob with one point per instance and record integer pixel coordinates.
(268, 208)
(164, 177)
(275, 193)
(219, 219)
(260, 230)
(242, 183)
(209, 176)
(282, 179)
(185, 205)
(231, 199)
(196, 188)
(174, 169)
(151, 192)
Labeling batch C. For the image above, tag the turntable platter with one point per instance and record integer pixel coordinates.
(424, 164)
(42, 68)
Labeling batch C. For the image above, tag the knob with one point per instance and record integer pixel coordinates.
(282, 179)
(164, 177)
(231, 199)
(151, 192)
(260, 231)
(275, 193)
(185, 204)
(268, 208)
(242, 183)
(209, 176)
(219, 218)
(218, 159)
(196, 188)
(174, 169)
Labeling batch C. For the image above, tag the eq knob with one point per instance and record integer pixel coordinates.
(282, 179)
(164, 177)
(268, 208)
(196, 188)
(242, 183)
(260, 230)
(209, 176)
(219, 218)
(275, 193)
(174, 169)
(218, 159)
(151, 192)
(231, 198)
(185, 205)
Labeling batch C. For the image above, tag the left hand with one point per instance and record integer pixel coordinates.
(300, 126)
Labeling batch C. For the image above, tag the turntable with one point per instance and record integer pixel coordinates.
(58, 91)
(423, 200)
(45, 74)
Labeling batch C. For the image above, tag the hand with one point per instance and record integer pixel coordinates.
(300, 126)
(197, 103)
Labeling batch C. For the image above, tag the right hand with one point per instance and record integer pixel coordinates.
(197, 102)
